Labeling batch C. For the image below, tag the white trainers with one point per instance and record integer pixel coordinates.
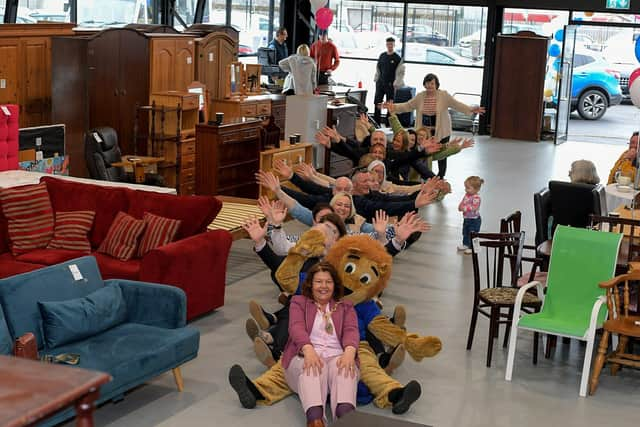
(468, 251)
(463, 248)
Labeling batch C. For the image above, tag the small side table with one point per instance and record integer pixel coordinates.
(138, 164)
(31, 391)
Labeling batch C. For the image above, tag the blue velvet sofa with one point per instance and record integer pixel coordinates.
(141, 330)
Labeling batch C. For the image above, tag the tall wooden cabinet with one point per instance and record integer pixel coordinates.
(216, 48)
(25, 69)
(228, 158)
(518, 86)
(122, 68)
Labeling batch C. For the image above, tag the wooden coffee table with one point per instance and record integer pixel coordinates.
(138, 164)
(31, 391)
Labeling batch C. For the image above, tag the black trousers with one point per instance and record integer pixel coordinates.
(383, 89)
(323, 79)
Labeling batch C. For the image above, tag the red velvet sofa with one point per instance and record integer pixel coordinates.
(196, 262)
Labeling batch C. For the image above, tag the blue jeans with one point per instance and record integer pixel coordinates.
(470, 225)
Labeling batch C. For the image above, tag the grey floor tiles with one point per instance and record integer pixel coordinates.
(434, 282)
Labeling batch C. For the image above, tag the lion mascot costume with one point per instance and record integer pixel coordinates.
(365, 268)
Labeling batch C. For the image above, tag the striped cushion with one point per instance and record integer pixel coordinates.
(122, 238)
(71, 231)
(29, 215)
(159, 232)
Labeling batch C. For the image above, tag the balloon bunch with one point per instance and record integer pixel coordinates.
(324, 15)
(634, 82)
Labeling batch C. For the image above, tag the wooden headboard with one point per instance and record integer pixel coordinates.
(8, 137)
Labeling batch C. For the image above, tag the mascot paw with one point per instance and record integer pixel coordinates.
(420, 347)
(311, 244)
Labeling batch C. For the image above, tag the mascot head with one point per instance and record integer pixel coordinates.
(363, 264)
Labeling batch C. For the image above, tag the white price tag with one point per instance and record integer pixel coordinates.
(3, 83)
(5, 110)
(96, 136)
(75, 272)
(210, 56)
(38, 141)
(476, 245)
(39, 155)
(189, 60)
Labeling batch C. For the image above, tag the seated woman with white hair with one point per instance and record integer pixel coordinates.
(584, 172)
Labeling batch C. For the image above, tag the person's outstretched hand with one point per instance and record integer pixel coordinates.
(283, 168)
(278, 212)
(409, 224)
(431, 145)
(323, 140)
(268, 180)
(380, 222)
(478, 110)
(305, 170)
(255, 231)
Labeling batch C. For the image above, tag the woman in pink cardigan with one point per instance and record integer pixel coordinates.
(320, 357)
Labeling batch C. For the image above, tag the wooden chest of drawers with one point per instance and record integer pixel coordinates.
(291, 154)
(250, 106)
(228, 157)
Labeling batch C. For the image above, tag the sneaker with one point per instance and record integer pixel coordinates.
(468, 251)
(238, 381)
(463, 247)
(253, 331)
(263, 352)
(259, 315)
(410, 393)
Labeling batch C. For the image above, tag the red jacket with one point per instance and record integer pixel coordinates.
(302, 313)
(326, 55)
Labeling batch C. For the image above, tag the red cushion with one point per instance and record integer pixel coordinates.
(30, 217)
(106, 202)
(8, 137)
(10, 267)
(111, 268)
(48, 256)
(123, 236)
(158, 232)
(71, 231)
(195, 212)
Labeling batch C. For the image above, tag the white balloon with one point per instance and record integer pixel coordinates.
(634, 92)
(317, 4)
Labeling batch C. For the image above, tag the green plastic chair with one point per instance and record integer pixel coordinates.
(573, 304)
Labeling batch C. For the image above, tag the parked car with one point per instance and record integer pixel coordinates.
(620, 54)
(433, 54)
(478, 38)
(464, 122)
(423, 34)
(595, 85)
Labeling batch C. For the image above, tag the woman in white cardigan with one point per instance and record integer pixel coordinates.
(432, 110)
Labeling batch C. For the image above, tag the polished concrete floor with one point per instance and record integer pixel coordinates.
(435, 284)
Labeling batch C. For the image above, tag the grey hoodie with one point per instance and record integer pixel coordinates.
(302, 74)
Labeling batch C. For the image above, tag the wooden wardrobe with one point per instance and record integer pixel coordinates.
(518, 86)
(25, 69)
(110, 73)
(216, 48)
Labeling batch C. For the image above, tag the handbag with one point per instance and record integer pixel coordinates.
(26, 347)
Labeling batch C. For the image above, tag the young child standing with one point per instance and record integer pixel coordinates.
(470, 208)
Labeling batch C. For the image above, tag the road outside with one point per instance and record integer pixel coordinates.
(614, 127)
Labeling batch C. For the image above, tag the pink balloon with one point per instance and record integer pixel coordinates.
(324, 18)
(633, 76)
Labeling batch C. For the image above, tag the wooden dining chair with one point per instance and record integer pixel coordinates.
(494, 289)
(512, 224)
(629, 254)
(623, 320)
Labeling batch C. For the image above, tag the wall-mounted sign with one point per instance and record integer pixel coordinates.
(618, 4)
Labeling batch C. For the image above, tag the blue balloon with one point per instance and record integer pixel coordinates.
(578, 18)
(556, 64)
(554, 50)
(559, 35)
(637, 50)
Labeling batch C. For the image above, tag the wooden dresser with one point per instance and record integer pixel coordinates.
(291, 154)
(173, 137)
(228, 158)
(248, 106)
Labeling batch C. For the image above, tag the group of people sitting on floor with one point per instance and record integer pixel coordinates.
(331, 332)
